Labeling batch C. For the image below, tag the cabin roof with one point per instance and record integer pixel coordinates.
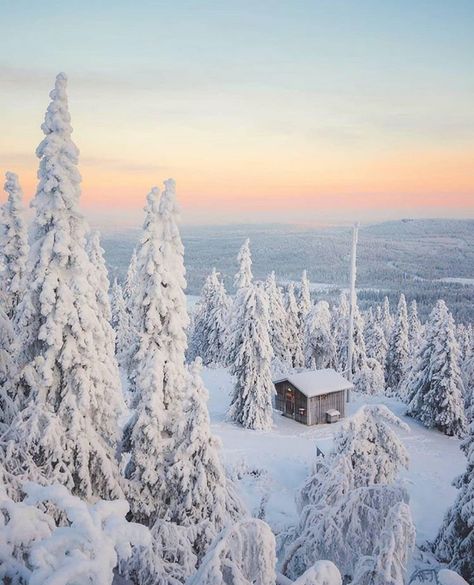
(316, 382)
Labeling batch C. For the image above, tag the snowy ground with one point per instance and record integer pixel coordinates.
(270, 466)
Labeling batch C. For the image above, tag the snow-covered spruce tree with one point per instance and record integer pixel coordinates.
(388, 563)
(465, 340)
(158, 364)
(67, 432)
(100, 280)
(387, 321)
(340, 320)
(8, 371)
(359, 352)
(211, 322)
(244, 276)
(398, 354)
(370, 378)
(435, 389)
(294, 329)
(375, 342)
(243, 554)
(13, 246)
(122, 325)
(468, 382)
(131, 283)
(345, 503)
(199, 493)
(242, 280)
(304, 300)
(455, 542)
(278, 324)
(251, 404)
(415, 329)
(319, 345)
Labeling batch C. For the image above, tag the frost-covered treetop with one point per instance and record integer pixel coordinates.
(14, 192)
(13, 245)
(374, 449)
(244, 276)
(58, 175)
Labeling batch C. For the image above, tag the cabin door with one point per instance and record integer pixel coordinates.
(290, 403)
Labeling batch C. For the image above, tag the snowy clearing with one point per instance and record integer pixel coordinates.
(271, 466)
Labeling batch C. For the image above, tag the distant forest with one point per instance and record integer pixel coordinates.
(410, 256)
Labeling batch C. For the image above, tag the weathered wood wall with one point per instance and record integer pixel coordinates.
(319, 405)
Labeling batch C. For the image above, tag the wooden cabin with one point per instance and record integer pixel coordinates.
(312, 397)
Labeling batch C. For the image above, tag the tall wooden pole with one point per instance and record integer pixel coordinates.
(353, 301)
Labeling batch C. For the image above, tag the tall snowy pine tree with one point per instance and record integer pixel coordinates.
(435, 389)
(277, 324)
(8, 371)
(122, 324)
(199, 494)
(251, 404)
(294, 329)
(320, 348)
(304, 300)
(13, 246)
(211, 322)
(158, 363)
(67, 432)
(398, 354)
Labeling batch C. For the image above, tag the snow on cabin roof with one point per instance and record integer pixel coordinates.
(316, 382)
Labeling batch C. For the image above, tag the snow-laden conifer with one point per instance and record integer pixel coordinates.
(8, 371)
(387, 321)
(243, 554)
(199, 494)
(455, 542)
(375, 342)
(345, 503)
(100, 281)
(278, 323)
(294, 328)
(319, 345)
(244, 276)
(13, 246)
(465, 339)
(398, 354)
(370, 378)
(210, 332)
(131, 283)
(387, 565)
(67, 432)
(359, 351)
(435, 389)
(251, 404)
(122, 324)
(415, 329)
(340, 320)
(158, 363)
(304, 299)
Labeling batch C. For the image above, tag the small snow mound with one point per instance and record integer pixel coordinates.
(321, 573)
(447, 577)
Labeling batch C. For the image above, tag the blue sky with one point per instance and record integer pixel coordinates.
(302, 99)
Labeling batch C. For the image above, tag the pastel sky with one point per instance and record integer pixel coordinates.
(289, 111)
